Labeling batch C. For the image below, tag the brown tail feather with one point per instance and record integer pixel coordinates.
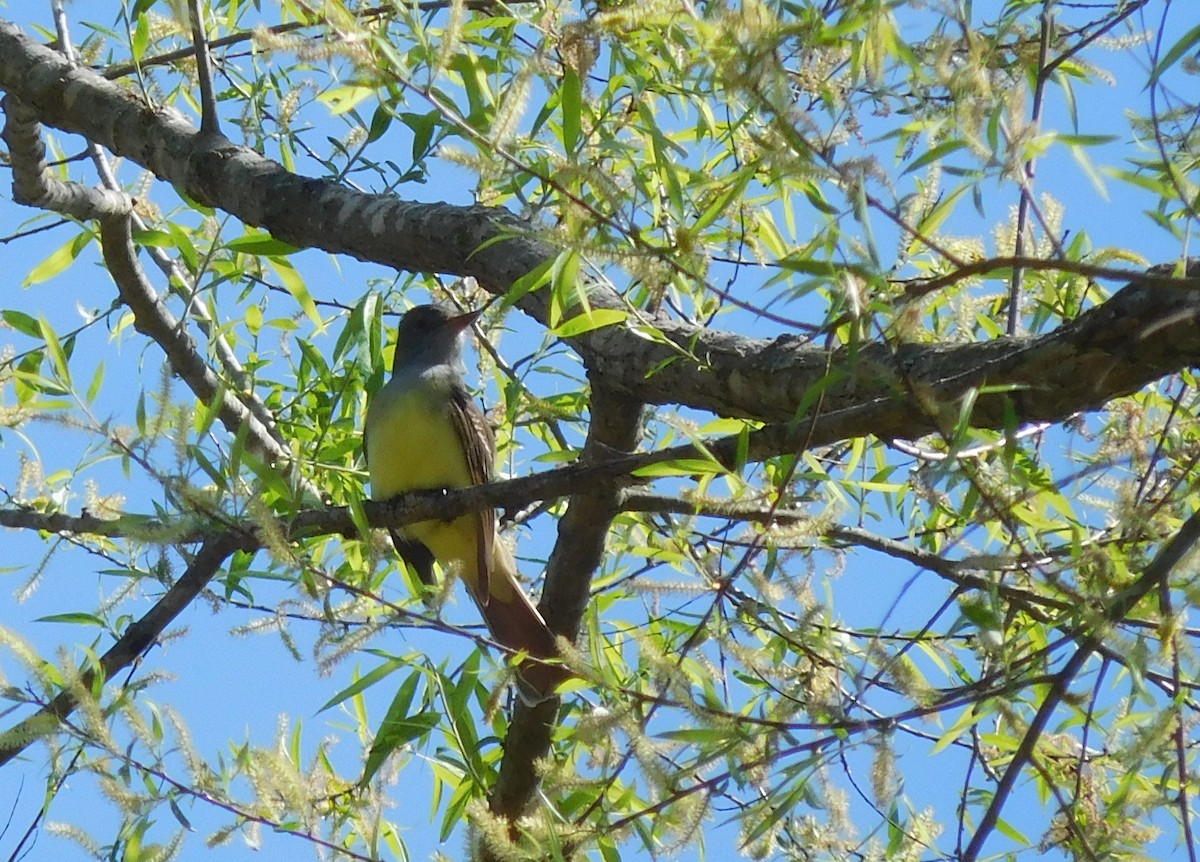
(516, 624)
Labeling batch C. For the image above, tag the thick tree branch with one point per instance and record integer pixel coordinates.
(1138, 336)
(1077, 367)
(32, 183)
(152, 318)
(615, 427)
(299, 210)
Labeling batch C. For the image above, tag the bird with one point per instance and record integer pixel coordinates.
(424, 431)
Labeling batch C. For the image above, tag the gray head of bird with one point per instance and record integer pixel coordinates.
(430, 335)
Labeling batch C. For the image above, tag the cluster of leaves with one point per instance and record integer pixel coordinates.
(773, 649)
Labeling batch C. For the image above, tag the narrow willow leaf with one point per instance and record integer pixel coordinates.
(56, 263)
(572, 109)
(58, 356)
(596, 318)
(364, 682)
(294, 284)
(76, 618)
(1183, 45)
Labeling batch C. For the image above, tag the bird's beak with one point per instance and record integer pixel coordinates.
(459, 323)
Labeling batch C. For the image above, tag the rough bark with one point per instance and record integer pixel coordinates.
(1142, 334)
(577, 555)
(1072, 369)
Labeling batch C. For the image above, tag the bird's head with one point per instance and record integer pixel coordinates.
(430, 335)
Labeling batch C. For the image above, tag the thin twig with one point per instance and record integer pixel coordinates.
(1014, 289)
(1155, 573)
(1179, 734)
(210, 122)
(1153, 278)
(137, 638)
(123, 69)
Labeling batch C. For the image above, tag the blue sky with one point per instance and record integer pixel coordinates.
(234, 687)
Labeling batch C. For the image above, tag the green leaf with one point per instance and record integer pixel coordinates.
(22, 322)
(1185, 43)
(363, 683)
(722, 201)
(700, 735)
(1081, 158)
(596, 318)
(968, 719)
(680, 467)
(56, 263)
(183, 821)
(935, 154)
(293, 282)
(206, 412)
(810, 266)
(777, 810)
(571, 102)
(346, 98)
(1013, 833)
(254, 319)
(380, 121)
(153, 237)
(354, 328)
(75, 619)
(58, 356)
(564, 284)
(30, 382)
(533, 280)
(141, 37)
(816, 197)
(423, 127)
(261, 243)
(397, 729)
(477, 86)
(1085, 140)
(456, 808)
(933, 219)
(97, 382)
(182, 242)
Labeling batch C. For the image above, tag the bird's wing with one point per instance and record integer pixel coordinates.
(479, 446)
(512, 618)
(418, 557)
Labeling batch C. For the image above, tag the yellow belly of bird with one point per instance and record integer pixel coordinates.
(412, 445)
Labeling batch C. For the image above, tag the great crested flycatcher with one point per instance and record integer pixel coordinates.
(424, 431)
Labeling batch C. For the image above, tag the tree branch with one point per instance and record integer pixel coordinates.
(133, 643)
(615, 427)
(32, 183)
(35, 186)
(152, 318)
(1077, 367)
(1155, 574)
